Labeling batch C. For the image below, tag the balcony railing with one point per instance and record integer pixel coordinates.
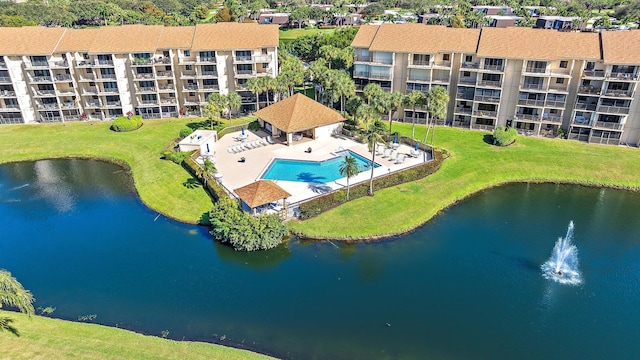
(374, 75)
(37, 64)
(45, 92)
(94, 103)
(165, 73)
(60, 64)
(48, 119)
(166, 88)
(445, 64)
(84, 63)
(483, 127)
(463, 110)
(3, 65)
(107, 76)
(622, 76)
(374, 60)
(613, 109)
(189, 100)
(149, 102)
(167, 101)
(593, 73)
(113, 103)
(485, 113)
(245, 72)
(39, 79)
(532, 86)
(608, 125)
(243, 58)
(10, 107)
(206, 59)
(535, 70)
(7, 93)
(5, 79)
(618, 93)
(529, 102)
(589, 90)
(413, 78)
(533, 117)
(467, 80)
(211, 87)
(420, 63)
(104, 62)
(68, 105)
(470, 65)
(186, 75)
(493, 67)
(147, 89)
(560, 88)
(63, 77)
(554, 103)
(561, 71)
(215, 73)
(553, 118)
(464, 95)
(486, 98)
(191, 87)
(490, 83)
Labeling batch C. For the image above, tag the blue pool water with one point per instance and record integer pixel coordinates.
(313, 171)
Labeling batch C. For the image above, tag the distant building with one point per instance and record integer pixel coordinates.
(502, 21)
(493, 10)
(559, 23)
(274, 18)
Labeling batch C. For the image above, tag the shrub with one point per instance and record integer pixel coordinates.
(329, 201)
(504, 136)
(562, 133)
(123, 123)
(175, 156)
(185, 131)
(215, 190)
(244, 232)
(254, 125)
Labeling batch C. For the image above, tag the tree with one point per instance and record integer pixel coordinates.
(234, 102)
(13, 294)
(390, 102)
(456, 22)
(414, 99)
(352, 106)
(292, 70)
(370, 122)
(206, 171)
(349, 167)
(437, 99)
(329, 53)
(319, 71)
(343, 86)
(224, 15)
(199, 13)
(299, 15)
(370, 91)
(254, 85)
(214, 107)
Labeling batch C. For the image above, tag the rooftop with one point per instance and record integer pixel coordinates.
(298, 113)
(621, 47)
(229, 35)
(261, 192)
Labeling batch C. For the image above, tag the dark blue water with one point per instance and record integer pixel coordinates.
(313, 171)
(466, 285)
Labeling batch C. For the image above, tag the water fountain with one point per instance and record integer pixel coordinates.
(562, 266)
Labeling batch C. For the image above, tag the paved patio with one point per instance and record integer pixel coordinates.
(235, 174)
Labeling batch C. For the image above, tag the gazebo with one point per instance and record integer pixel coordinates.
(299, 116)
(260, 193)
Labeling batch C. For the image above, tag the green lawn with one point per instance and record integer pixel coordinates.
(45, 338)
(160, 183)
(287, 35)
(474, 165)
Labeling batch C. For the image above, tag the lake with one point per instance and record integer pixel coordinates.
(466, 285)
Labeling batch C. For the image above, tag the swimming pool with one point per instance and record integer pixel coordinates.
(313, 171)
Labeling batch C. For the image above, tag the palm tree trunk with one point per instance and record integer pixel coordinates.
(373, 161)
(433, 133)
(428, 126)
(347, 188)
(229, 117)
(413, 124)
(390, 120)
(257, 101)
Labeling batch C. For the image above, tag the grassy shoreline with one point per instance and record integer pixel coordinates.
(47, 338)
(474, 165)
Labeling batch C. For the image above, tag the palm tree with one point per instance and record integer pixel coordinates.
(13, 294)
(318, 72)
(438, 100)
(265, 86)
(396, 99)
(271, 84)
(234, 102)
(353, 105)
(414, 99)
(214, 107)
(371, 90)
(349, 167)
(253, 84)
(206, 171)
(370, 121)
(343, 87)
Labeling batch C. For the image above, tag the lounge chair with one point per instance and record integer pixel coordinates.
(380, 149)
(270, 140)
(391, 151)
(384, 153)
(394, 158)
(414, 153)
(229, 149)
(401, 159)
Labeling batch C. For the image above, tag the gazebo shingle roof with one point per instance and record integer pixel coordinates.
(261, 192)
(298, 113)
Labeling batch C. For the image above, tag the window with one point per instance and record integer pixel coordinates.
(265, 65)
(189, 67)
(187, 53)
(264, 51)
(445, 57)
(468, 58)
(466, 73)
(559, 81)
(564, 64)
(85, 56)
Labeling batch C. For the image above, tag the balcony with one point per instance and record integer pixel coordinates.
(552, 118)
(375, 60)
(558, 88)
(463, 110)
(214, 73)
(412, 77)
(141, 62)
(191, 87)
(554, 104)
(93, 104)
(580, 121)
(528, 102)
(485, 113)
(489, 83)
(498, 68)
(165, 73)
(186, 61)
(245, 73)
(532, 117)
(188, 75)
(109, 91)
(148, 103)
(464, 95)
(243, 59)
(68, 105)
(483, 127)
(622, 76)
(10, 107)
(442, 64)
(146, 89)
(166, 88)
(562, 72)
(44, 93)
(107, 76)
(103, 63)
(46, 106)
(63, 78)
(535, 70)
(5, 80)
(60, 65)
(162, 61)
(593, 74)
(7, 93)
(379, 76)
(467, 80)
(608, 125)
(191, 101)
(206, 60)
(84, 63)
(618, 93)
(113, 104)
(88, 77)
(36, 64)
(168, 101)
(41, 79)
(532, 86)
(588, 90)
(470, 65)
(3, 65)
(90, 91)
(212, 87)
(49, 119)
(613, 109)
(486, 98)
(144, 76)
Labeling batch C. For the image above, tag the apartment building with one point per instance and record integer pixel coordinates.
(533, 80)
(56, 74)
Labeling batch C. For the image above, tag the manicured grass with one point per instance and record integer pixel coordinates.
(161, 184)
(45, 338)
(292, 34)
(474, 165)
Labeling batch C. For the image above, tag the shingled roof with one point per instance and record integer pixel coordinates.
(29, 40)
(261, 192)
(621, 47)
(537, 44)
(298, 113)
(416, 38)
(229, 35)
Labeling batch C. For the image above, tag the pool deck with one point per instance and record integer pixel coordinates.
(236, 174)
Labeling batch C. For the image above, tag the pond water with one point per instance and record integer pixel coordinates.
(466, 285)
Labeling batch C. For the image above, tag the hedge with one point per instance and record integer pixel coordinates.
(123, 123)
(214, 189)
(326, 202)
(504, 136)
